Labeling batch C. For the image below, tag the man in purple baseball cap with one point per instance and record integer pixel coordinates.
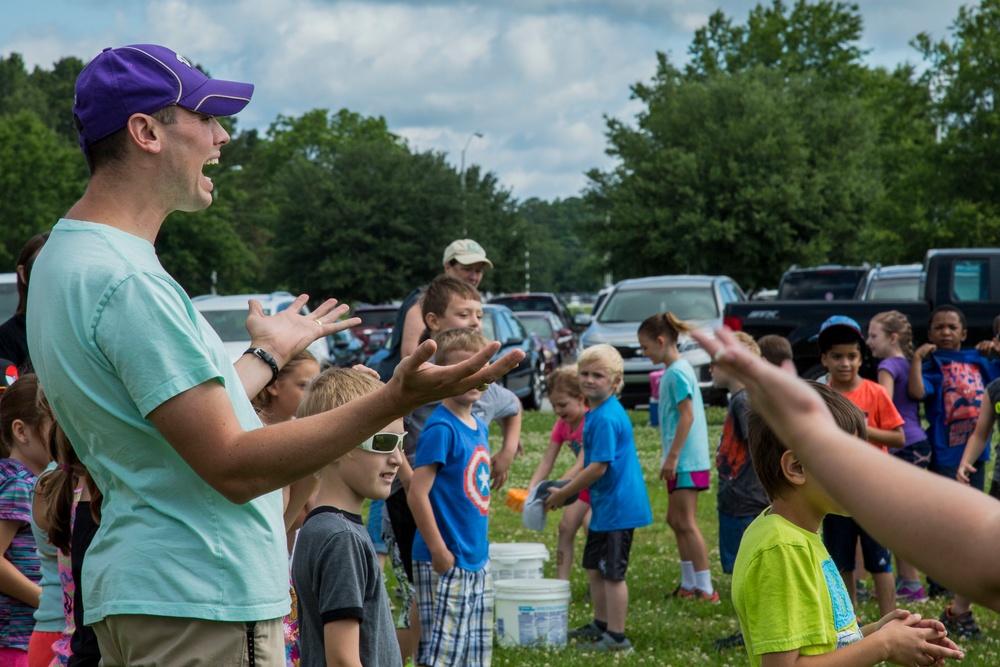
(189, 565)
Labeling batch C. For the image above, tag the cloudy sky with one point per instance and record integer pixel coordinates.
(535, 77)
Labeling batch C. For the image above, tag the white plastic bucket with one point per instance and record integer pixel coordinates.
(517, 560)
(531, 612)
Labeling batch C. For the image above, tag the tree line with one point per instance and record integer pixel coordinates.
(774, 144)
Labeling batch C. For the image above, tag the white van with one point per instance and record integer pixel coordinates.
(8, 295)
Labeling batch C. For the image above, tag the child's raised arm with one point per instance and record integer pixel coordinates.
(956, 525)
(915, 383)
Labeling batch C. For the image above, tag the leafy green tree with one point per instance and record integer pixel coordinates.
(560, 260)
(742, 173)
(963, 77)
(41, 175)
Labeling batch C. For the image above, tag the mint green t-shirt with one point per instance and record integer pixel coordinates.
(788, 593)
(678, 383)
(112, 336)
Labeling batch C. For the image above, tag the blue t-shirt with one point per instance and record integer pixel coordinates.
(678, 383)
(955, 383)
(461, 492)
(618, 499)
(113, 337)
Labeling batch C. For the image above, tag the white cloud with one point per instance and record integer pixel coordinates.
(535, 76)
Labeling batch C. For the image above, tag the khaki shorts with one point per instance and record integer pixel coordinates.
(165, 641)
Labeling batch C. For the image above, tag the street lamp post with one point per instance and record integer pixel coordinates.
(479, 135)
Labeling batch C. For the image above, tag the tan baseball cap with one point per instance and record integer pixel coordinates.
(466, 251)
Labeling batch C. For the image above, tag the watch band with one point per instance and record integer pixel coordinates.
(265, 356)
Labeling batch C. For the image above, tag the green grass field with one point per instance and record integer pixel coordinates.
(664, 632)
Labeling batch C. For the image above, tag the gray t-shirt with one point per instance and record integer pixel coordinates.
(336, 576)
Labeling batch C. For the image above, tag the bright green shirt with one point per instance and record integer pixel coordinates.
(788, 593)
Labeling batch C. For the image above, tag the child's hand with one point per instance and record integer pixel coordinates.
(499, 467)
(556, 499)
(910, 640)
(987, 347)
(964, 470)
(669, 469)
(442, 561)
(925, 349)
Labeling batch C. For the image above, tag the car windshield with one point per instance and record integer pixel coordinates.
(8, 300)
(522, 303)
(539, 326)
(821, 284)
(903, 288)
(380, 319)
(488, 329)
(231, 325)
(635, 305)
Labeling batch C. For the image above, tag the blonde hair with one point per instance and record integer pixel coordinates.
(748, 342)
(465, 339)
(565, 379)
(895, 322)
(335, 387)
(605, 356)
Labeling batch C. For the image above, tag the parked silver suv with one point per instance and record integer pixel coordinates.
(699, 300)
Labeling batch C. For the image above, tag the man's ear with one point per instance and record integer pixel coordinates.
(792, 469)
(145, 132)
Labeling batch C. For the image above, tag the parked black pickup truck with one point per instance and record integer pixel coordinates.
(966, 278)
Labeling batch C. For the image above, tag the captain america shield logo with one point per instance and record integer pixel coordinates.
(477, 480)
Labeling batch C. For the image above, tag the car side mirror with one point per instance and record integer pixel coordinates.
(513, 340)
(582, 319)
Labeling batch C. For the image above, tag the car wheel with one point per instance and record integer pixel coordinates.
(533, 401)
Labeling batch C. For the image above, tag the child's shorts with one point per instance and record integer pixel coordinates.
(918, 453)
(607, 551)
(731, 529)
(698, 480)
(977, 480)
(585, 495)
(456, 616)
(840, 535)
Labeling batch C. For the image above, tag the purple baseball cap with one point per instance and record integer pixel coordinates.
(144, 78)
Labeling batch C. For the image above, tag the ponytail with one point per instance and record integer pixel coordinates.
(666, 325)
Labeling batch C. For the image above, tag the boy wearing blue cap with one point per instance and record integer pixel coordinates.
(189, 565)
(841, 347)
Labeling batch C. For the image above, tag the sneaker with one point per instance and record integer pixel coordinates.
(702, 596)
(963, 625)
(910, 593)
(682, 593)
(607, 644)
(863, 594)
(586, 633)
(732, 641)
(936, 590)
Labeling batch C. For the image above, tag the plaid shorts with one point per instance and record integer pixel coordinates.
(456, 616)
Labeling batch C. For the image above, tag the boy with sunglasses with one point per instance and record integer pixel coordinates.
(344, 613)
(450, 498)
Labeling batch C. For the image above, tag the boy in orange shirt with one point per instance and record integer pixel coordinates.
(842, 346)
